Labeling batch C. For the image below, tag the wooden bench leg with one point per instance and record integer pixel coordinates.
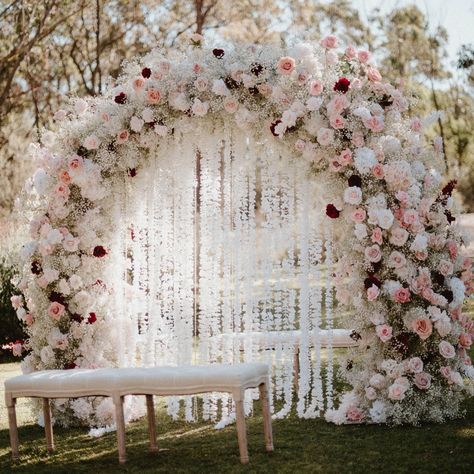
(13, 428)
(267, 418)
(150, 408)
(120, 423)
(241, 431)
(48, 426)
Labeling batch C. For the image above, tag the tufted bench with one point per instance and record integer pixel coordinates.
(149, 381)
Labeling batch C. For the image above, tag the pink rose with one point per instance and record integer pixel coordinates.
(377, 171)
(358, 139)
(329, 42)
(350, 52)
(363, 56)
(377, 236)
(200, 108)
(445, 267)
(358, 215)
(384, 332)
(138, 83)
(164, 66)
(397, 260)
(286, 65)
(76, 163)
(265, 89)
(56, 310)
(315, 87)
(446, 372)
(354, 414)
(345, 157)
(197, 68)
(325, 136)
(452, 247)
(230, 105)
(337, 122)
(410, 216)
(373, 293)
(423, 327)
(122, 136)
(300, 145)
(29, 319)
(416, 125)
(396, 391)
(423, 380)
(201, 84)
(17, 301)
(374, 123)
(91, 142)
(373, 74)
(373, 253)
(465, 340)
(402, 295)
(62, 191)
(447, 350)
(415, 364)
(153, 96)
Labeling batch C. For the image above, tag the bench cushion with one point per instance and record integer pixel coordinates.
(181, 380)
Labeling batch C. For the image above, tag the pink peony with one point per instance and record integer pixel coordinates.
(286, 65)
(329, 42)
(402, 295)
(56, 310)
(423, 327)
(76, 163)
(384, 332)
(373, 293)
(373, 253)
(447, 350)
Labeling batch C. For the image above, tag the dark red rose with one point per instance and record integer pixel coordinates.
(36, 268)
(355, 180)
(256, 69)
(218, 53)
(58, 297)
(77, 317)
(82, 151)
(273, 126)
(449, 188)
(92, 318)
(146, 72)
(230, 83)
(121, 98)
(342, 85)
(70, 366)
(332, 212)
(372, 280)
(99, 251)
(448, 294)
(132, 172)
(449, 216)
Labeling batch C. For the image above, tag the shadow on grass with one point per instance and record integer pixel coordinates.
(300, 446)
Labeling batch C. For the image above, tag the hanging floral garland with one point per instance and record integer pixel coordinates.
(399, 272)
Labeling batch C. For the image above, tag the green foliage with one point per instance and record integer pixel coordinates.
(10, 327)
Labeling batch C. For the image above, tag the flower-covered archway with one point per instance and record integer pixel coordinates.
(400, 274)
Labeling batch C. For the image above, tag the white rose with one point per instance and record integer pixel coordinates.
(353, 195)
(384, 218)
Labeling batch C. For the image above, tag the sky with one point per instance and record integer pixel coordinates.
(457, 16)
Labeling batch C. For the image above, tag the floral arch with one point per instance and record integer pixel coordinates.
(399, 273)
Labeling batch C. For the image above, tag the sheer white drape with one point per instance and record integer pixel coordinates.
(221, 246)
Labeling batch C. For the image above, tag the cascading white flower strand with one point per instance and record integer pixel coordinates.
(329, 317)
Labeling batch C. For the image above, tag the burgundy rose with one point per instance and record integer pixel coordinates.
(92, 318)
(146, 72)
(372, 280)
(449, 188)
(332, 212)
(355, 180)
(99, 251)
(57, 297)
(121, 98)
(273, 126)
(77, 317)
(449, 216)
(70, 366)
(132, 172)
(218, 53)
(230, 83)
(36, 268)
(342, 85)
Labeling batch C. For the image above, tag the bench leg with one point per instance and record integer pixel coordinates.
(120, 423)
(150, 408)
(13, 429)
(267, 418)
(241, 431)
(48, 426)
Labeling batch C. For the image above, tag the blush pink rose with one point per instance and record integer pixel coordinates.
(358, 215)
(396, 392)
(230, 105)
(17, 301)
(378, 171)
(377, 236)
(201, 84)
(423, 380)
(353, 195)
(354, 414)
(122, 136)
(373, 253)
(64, 177)
(445, 267)
(286, 65)
(373, 74)
(91, 142)
(402, 295)
(138, 84)
(329, 42)
(373, 293)
(447, 350)
(337, 122)
(415, 365)
(62, 191)
(358, 139)
(350, 52)
(423, 327)
(56, 310)
(384, 332)
(345, 157)
(325, 136)
(465, 340)
(363, 56)
(153, 96)
(397, 260)
(374, 123)
(315, 87)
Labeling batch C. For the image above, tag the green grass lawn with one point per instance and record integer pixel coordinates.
(300, 446)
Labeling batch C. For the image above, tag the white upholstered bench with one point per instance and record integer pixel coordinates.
(118, 382)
